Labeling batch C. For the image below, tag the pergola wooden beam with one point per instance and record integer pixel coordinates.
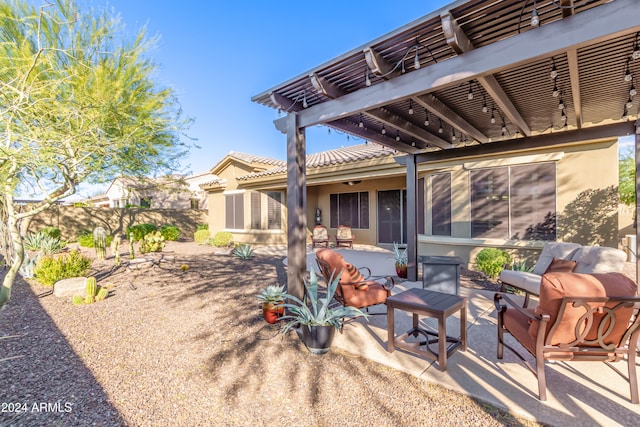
(378, 65)
(325, 87)
(390, 119)
(567, 8)
(284, 103)
(348, 126)
(441, 110)
(588, 27)
(574, 77)
(459, 42)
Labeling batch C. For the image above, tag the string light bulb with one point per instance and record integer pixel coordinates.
(493, 118)
(410, 107)
(440, 130)
(304, 100)
(504, 128)
(629, 103)
(632, 90)
(413, 142)
(563, 117)
(554, 71)
(416, 59)
(360, 123)
(485, 109)
(383, 131)
(636, 49)
(555, 92)
(470, 94)
(535, 19)
(625, 113)
(367, 80)
(426, 120)
(453, 134)
(627, 74)
(560, 105)
(398, 136)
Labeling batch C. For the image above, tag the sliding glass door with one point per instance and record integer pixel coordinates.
(392, 216)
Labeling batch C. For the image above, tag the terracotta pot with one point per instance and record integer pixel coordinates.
(401, 270)
(318, 339)
(271, 313)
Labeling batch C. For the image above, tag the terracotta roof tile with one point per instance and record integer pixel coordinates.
(251, 158)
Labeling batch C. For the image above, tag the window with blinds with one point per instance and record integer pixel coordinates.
(350, 209)
(274, 210)
(234, 211)
(256, 212)
(441, 204)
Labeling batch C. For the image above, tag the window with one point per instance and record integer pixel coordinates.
(421, 189)
(350, 209)
(516, 202)
(116, 203)
(194, 203)
(256, 213)
(234, 211)
(145, 202)
(274, 210)
(441, 204)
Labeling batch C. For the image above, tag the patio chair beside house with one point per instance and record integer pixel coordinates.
(344, 237)
(319, 237)
(588, 317)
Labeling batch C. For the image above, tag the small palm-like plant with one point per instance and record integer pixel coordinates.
(315, 310)
(272, 294)
(243, 251)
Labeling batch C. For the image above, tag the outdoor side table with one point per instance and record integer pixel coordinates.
(434, 304)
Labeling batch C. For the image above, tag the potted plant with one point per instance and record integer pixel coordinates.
(272, 298)
(401, 261)
(318, 322)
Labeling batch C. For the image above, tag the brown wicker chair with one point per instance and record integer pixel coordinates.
(579, 317)
(344, 237)
(355, 289)
(320, 237)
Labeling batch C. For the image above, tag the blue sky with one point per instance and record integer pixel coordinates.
(217, 55)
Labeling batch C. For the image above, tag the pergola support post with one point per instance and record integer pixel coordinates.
(296, 207)
(637, 141)
(412, 214)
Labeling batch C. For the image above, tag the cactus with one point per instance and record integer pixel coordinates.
(77, 300)
(89, 299)
(115, 248)
(131, 253)
(152, 242)
(102, 294)
(100, 242)
(91, 287)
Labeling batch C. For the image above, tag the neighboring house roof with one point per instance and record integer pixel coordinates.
(251, 158)
(336, 156)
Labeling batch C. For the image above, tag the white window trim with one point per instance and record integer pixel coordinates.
(512, 161)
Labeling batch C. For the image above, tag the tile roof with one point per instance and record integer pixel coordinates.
(340, 155)
(251, 158)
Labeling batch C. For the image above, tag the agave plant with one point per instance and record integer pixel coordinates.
(44, 243)
(243, 251)
(271, 294)
(315, 310)
(400, 254)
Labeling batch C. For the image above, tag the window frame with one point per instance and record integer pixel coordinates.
(363, 213)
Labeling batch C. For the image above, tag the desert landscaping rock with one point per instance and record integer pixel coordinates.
(67, 288)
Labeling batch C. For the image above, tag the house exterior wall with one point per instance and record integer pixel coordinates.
(586, 201)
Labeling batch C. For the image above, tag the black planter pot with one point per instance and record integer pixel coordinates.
(318, 339)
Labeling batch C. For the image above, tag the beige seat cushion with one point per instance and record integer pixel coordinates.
(529, 282)
(553, 250)
(599, 259)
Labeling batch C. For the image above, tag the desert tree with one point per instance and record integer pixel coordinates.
(79, 103)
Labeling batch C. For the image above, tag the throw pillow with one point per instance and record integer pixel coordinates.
(559, 265)
(357, 278)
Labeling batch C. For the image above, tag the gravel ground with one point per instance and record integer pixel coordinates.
(190, 348)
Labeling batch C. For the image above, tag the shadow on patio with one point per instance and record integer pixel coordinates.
(579, 393)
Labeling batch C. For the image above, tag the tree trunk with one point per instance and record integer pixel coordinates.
(18, 255)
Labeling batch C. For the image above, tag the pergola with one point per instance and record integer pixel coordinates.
(475, 77)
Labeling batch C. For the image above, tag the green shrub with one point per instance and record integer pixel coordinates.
(201, 236)
(202, 227)
(51, 269)
(222, 239)
(491, 261)
(86, 239)
(51, 232)
(140, 230)
(170, 232)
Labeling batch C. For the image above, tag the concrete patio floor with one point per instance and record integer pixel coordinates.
(579, 393)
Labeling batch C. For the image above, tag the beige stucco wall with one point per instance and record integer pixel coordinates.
(586, 201)
(72, 220)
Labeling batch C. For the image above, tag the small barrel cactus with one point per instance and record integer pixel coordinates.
(100, 242)
(102, 294)
(77, 300)
(91, 287)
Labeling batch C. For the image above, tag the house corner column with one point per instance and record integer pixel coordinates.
(412, 215)
(296, 207)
